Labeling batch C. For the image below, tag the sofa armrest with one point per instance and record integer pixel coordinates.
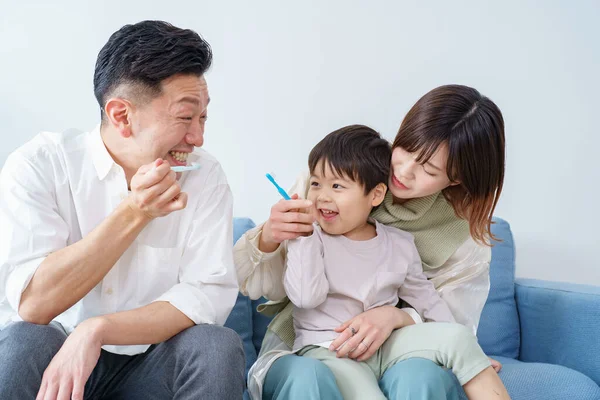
(560, 324)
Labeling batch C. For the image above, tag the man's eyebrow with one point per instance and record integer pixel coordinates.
(190, 99)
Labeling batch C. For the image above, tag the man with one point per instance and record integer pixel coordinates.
(116, 271)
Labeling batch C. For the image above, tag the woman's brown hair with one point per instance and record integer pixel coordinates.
(472, 127)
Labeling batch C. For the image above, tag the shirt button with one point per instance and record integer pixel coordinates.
(109, 291)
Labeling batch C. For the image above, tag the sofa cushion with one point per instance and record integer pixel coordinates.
(241, 317)
(499, 331)
(539, 381)
(240, 320)
(259, 324)
(560, 323)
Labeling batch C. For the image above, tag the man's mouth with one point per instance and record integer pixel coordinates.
(179, 156)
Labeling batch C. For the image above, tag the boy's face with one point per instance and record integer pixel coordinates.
(340, 204)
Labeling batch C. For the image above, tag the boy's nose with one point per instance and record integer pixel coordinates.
(324, 197)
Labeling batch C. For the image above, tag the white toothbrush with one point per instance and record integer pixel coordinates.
(182, 168)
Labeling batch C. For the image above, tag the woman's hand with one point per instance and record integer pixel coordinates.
(289, 219)
(364, 334)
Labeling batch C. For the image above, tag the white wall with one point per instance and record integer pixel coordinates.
(286, 74)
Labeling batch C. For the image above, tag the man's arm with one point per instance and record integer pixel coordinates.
(154, 323)
(65, 276)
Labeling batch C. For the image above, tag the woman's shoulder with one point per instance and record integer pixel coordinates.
(300, 186)
(470, 252)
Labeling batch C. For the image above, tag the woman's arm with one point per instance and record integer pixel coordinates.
(259, 272)
(464, 282)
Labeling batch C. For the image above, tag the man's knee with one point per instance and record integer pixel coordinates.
(23, 340)
(26, 350)
(217, 345)
(226, 346)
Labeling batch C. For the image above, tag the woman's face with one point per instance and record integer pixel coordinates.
(410, 179)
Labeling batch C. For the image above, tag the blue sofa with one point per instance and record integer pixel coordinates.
(545, 334)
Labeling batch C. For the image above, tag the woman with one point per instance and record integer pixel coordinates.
(446, 177)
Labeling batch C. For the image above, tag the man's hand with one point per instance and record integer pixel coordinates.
(69, 370)
(155, 190)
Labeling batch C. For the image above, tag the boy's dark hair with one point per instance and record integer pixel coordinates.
(142, 55)
(356, 151)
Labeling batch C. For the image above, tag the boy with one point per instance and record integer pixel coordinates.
(352, 263)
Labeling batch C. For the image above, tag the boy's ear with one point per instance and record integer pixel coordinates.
(378, 194)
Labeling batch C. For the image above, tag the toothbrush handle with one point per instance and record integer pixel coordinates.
(283, 193)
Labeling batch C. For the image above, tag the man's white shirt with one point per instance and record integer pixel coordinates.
(57, 188)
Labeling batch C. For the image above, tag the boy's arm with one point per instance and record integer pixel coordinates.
(304, 279)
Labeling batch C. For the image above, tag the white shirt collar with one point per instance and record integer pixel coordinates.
(103, 162)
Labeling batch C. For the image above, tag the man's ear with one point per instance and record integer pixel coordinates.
(378, 194)
(118, 112)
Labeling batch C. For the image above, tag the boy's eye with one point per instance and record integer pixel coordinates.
(337, 186)
(314, 184)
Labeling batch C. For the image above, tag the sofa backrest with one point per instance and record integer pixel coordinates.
(499, 331)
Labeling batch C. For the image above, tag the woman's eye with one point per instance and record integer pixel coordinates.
(186, 118)
(428, 173)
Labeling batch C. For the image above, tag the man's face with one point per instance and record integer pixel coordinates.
(172, 124)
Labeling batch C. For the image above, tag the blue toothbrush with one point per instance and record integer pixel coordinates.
(282, 192)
